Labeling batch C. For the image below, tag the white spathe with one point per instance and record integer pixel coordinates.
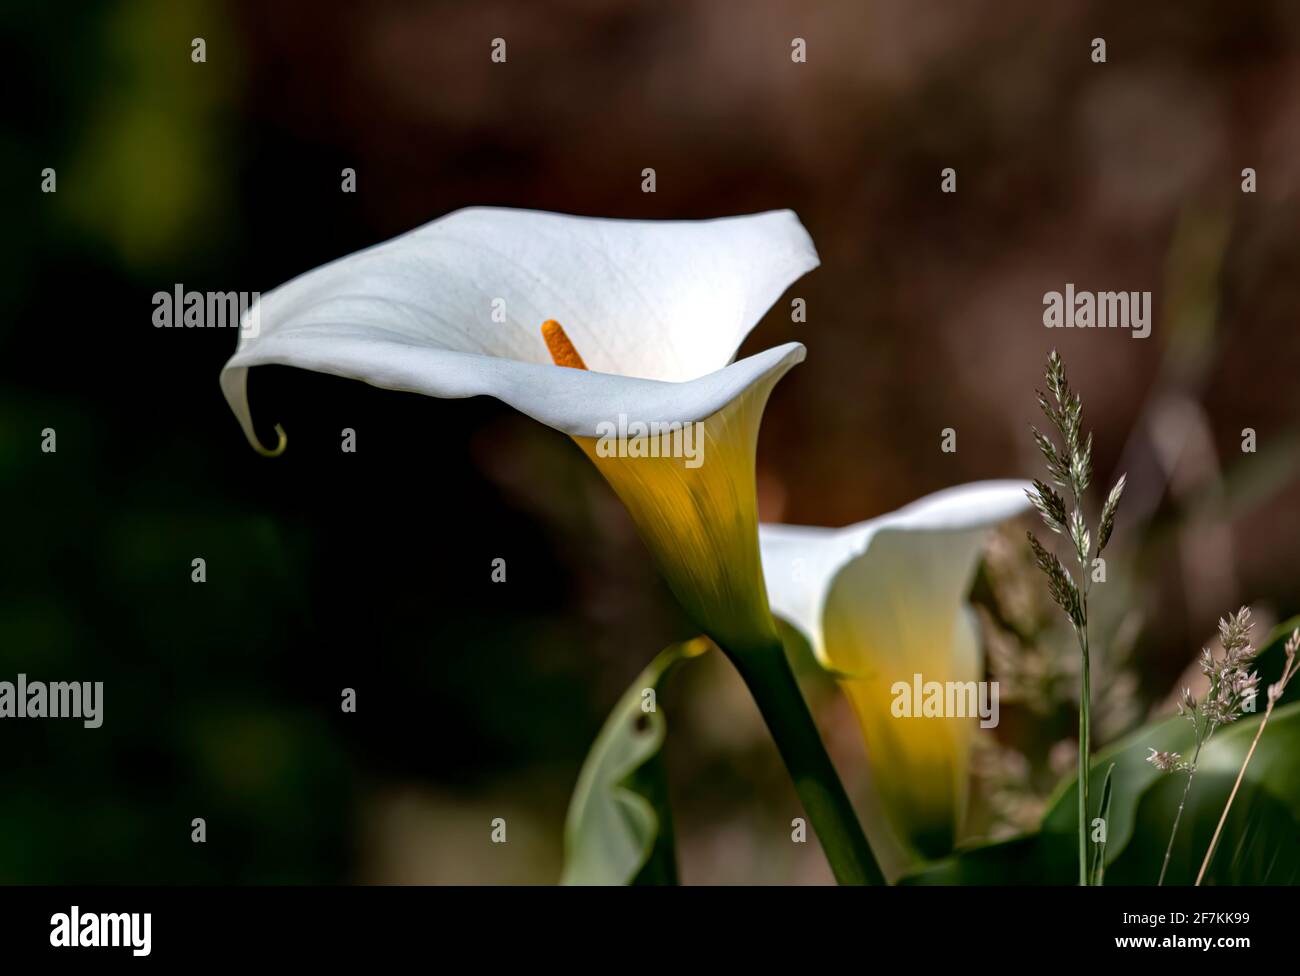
(657, 310)
(922, 554)
(879, 602)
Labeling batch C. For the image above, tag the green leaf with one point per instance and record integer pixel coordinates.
(1098, 870)
(1135, 777)
(1017, 861)
(1258, 843)
(619, 828)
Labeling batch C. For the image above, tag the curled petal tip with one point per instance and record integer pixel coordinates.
(279, 447)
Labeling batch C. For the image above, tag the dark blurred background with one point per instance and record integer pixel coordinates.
(372, 570)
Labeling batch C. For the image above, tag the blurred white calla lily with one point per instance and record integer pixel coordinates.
(881, 602)
(655, 309)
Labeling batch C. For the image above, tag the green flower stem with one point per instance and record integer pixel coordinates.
(1085, 727)
(767, 673)
(1169, 849)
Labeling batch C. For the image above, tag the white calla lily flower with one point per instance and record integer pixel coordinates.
(655, 310)
(881, 602)
(652, 312)
(453, 309)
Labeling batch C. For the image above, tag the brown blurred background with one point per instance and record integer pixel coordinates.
(925, 314)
